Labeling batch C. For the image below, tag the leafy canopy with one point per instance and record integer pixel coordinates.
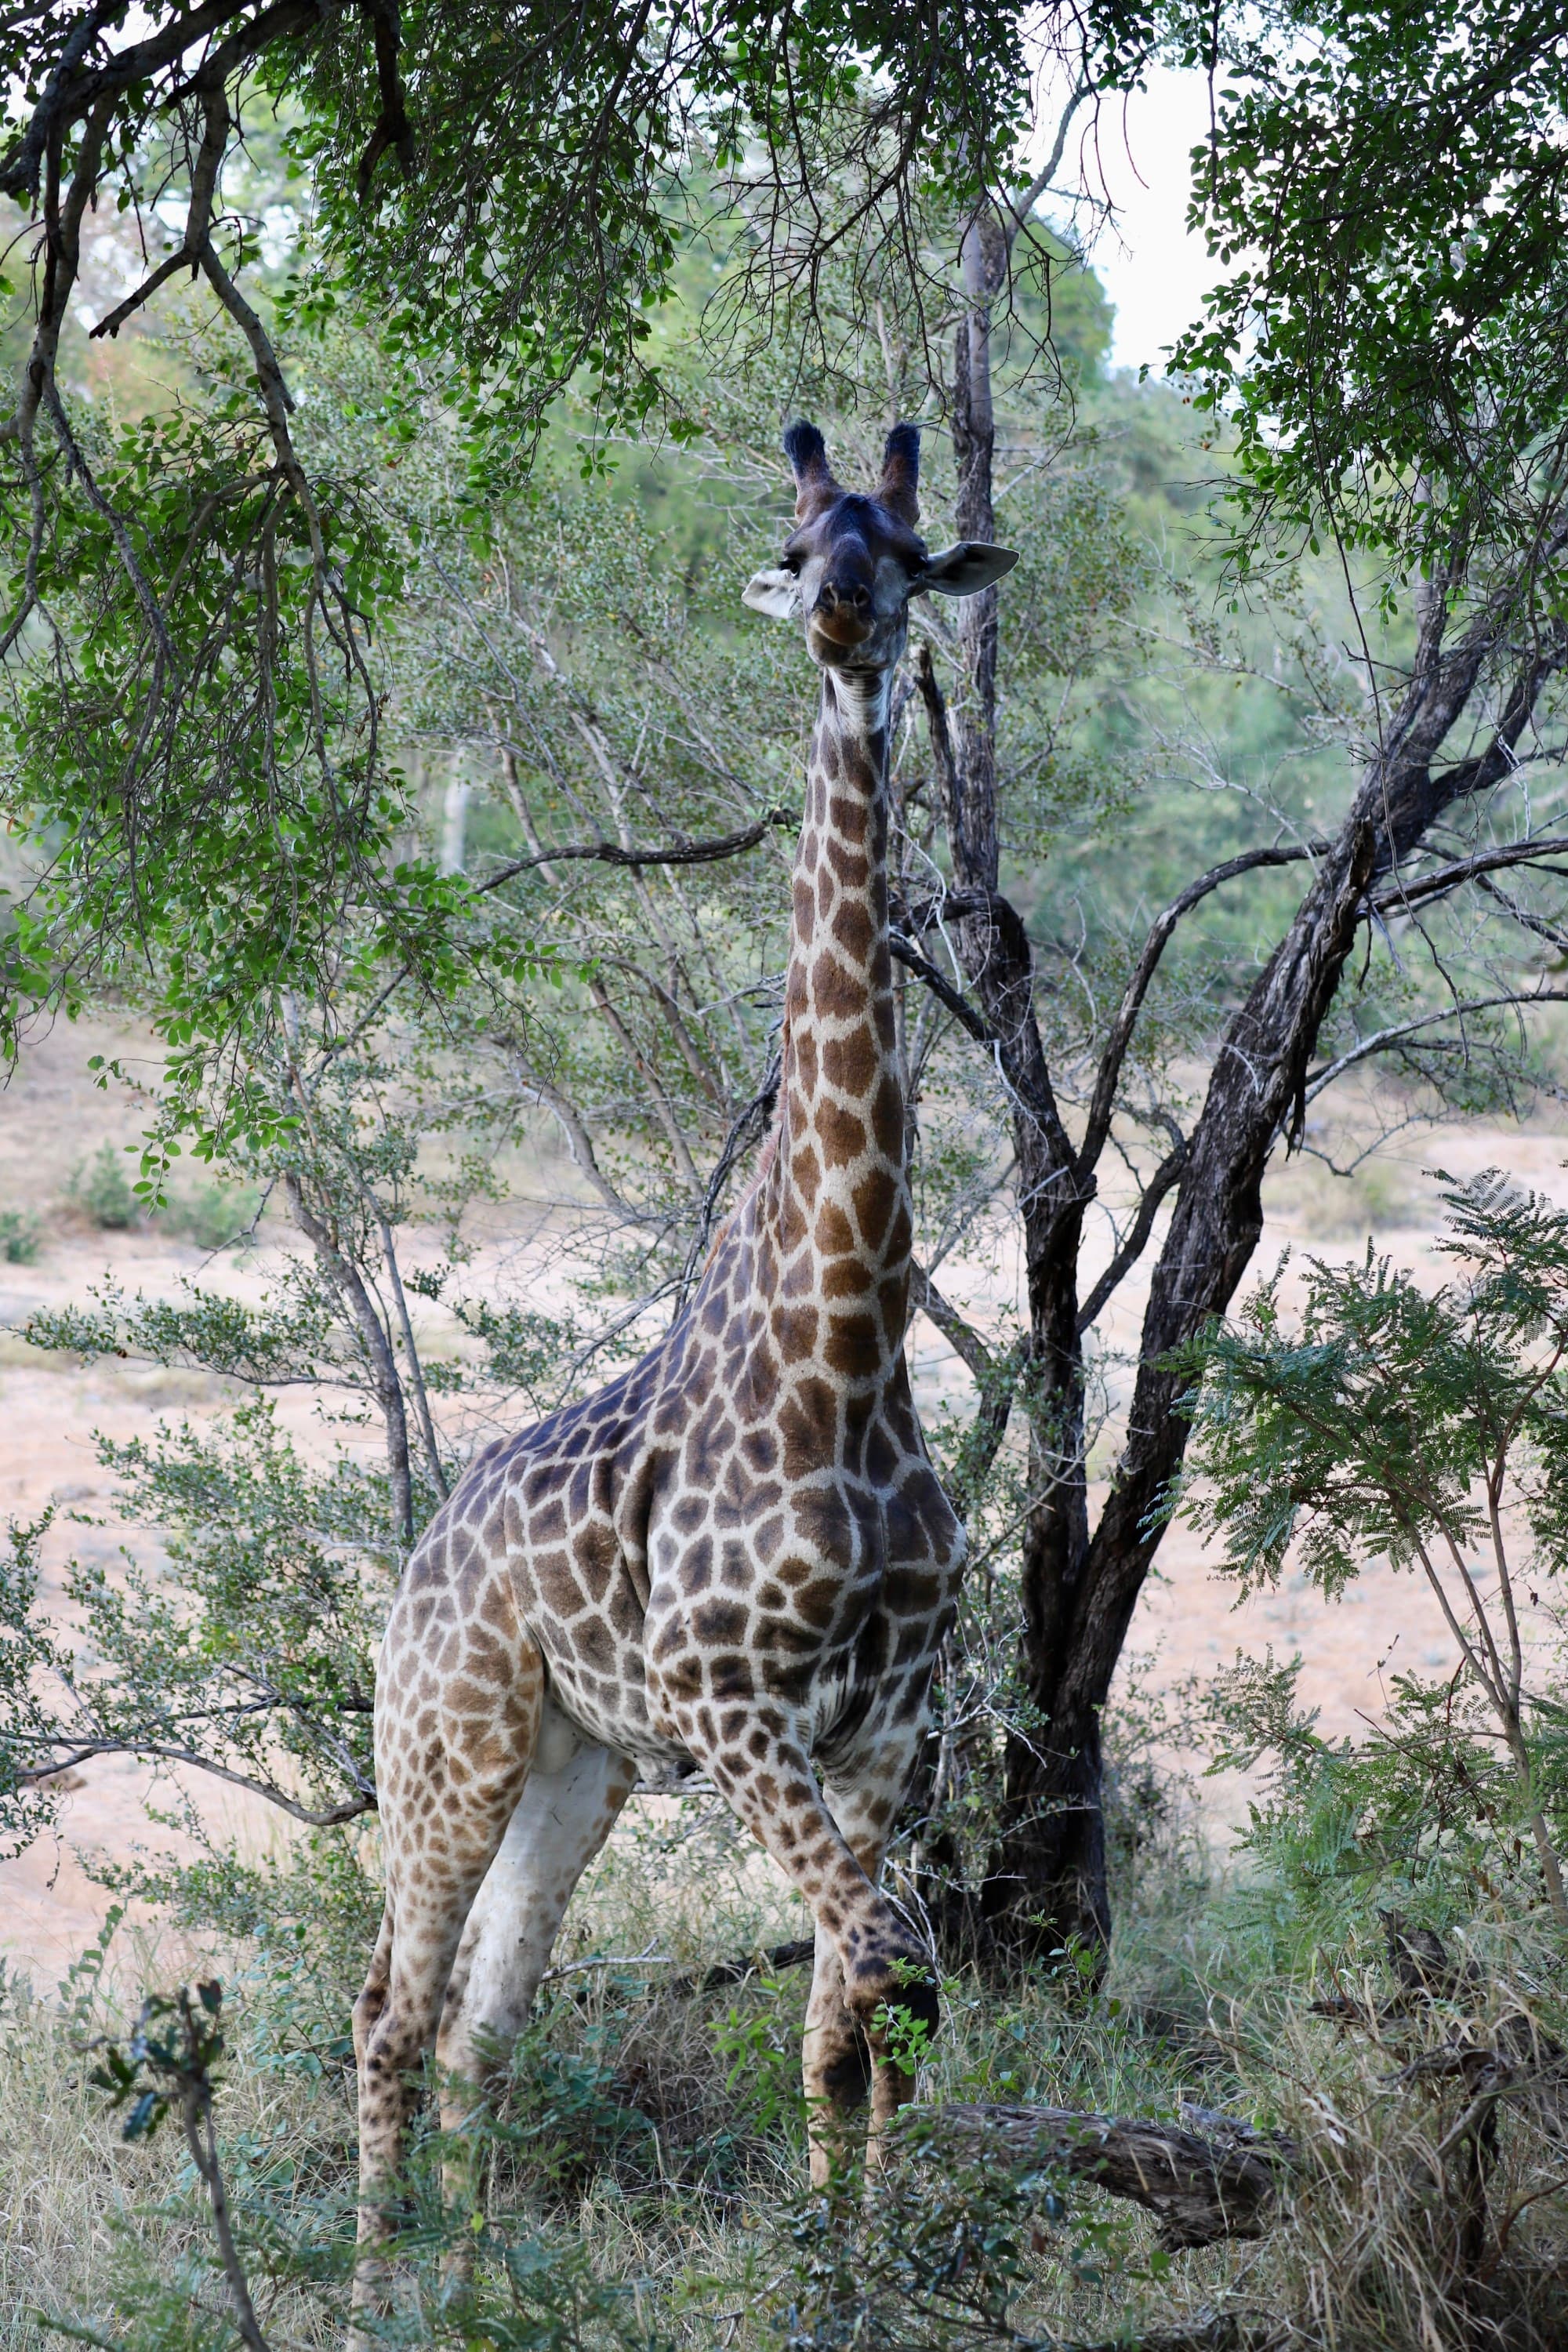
(498, 194)
(1387, 188)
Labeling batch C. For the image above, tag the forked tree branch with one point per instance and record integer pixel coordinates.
(1102, 1105)
(941, 988)
(1168, 1175)
(1445, 879)
(1383, 1040)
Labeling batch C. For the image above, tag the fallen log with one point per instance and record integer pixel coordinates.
(1208, 2177)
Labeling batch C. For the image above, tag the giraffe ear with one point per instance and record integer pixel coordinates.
(963, 570)
(773, 591)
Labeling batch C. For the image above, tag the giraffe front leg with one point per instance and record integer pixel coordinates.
(874, 1993)
(836, 2064)
(841, 2059)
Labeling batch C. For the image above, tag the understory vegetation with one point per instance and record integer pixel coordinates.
(389, 768)
(1319, 2095)
(646, 2170)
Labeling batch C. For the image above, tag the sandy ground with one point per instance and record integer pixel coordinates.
(53, 1118)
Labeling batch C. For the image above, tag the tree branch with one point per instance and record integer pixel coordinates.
(962, 1337)
(1021, 206)
(1553, 933)
(393, 128)
(1103, 1104)
(680, 852)
(746, 1129)
(1385, 1038)
(1208, 2180)
(1169, 1173)
(1444, 878)
(942, 989)
(349, 1283)
(326, 1817)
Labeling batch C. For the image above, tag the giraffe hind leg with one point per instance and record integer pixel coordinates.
(560, 1821)
(453, 1750)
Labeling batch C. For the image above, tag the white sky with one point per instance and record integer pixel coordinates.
(1154, 272)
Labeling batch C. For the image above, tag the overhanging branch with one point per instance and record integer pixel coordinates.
(679, 852)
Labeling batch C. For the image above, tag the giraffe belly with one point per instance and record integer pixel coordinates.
(624, 1723)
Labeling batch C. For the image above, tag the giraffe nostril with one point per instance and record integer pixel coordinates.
(851, 596)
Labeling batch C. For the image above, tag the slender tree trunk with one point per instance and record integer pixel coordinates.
(1040, 1770)
(349, 1283)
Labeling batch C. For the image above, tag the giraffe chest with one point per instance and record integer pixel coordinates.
(803, 1589)
(675, 1545)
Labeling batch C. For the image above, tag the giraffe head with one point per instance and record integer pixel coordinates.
(852, 563)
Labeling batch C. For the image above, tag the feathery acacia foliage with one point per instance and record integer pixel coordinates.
(1429, 1428)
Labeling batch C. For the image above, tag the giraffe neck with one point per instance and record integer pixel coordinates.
(842, 1189)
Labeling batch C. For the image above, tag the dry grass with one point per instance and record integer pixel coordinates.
(654, 2144)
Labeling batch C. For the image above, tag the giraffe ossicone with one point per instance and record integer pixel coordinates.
(736, 1557)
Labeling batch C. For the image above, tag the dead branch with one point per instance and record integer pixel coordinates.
(680, 852)
(749, 1127)
(796, 1954)
(1512, 2058)
(1206, 2178)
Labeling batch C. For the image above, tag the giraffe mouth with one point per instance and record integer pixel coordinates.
(842, 631)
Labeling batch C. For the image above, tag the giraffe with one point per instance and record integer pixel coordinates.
(737, 1556)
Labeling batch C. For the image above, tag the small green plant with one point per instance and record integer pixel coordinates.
(908, 2035)
(18, 1237)
(763, 2047)
(105, 1190)
(214, 1216)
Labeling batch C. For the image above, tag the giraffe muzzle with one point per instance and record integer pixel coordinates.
(842, 616)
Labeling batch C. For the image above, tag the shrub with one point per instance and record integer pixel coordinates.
(1429, 1428)
(18, 1237)
(104, 1190)
(213, 1215)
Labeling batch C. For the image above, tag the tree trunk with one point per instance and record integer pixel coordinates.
(1053, 1196)
(1046, 1885)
